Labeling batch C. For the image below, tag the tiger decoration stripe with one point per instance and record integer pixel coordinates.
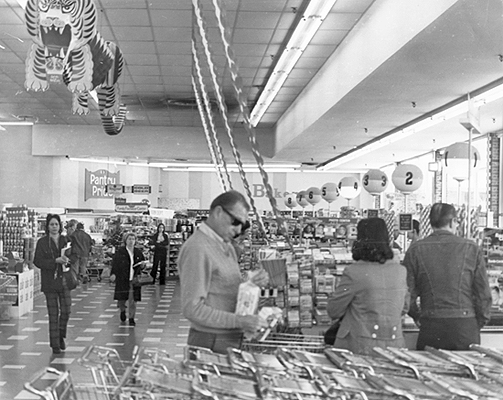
(69, 49)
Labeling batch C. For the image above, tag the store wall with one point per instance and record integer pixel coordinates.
(56, 181)
(205, 186)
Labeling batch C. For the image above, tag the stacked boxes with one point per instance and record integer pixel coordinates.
(24, 301)
(299, 296)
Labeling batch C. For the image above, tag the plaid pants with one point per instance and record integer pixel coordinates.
(58, 308)
(130, 303)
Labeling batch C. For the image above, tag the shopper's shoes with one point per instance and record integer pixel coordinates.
(131, 322)
(56, 350)
(85, 280)
(62, 344)
(162, 283)
(123, 316)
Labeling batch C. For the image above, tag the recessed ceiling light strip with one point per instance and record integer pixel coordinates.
(201, 25)
(308, 25)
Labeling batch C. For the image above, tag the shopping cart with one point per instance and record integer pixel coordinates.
(52, 384)
(275, 340)
(110, 373)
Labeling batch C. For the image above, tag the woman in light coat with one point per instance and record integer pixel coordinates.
(372, 295)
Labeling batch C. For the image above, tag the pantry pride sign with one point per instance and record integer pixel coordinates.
(97, 181)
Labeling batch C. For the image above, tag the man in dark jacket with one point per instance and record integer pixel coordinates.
(449, 276)
(81, 247)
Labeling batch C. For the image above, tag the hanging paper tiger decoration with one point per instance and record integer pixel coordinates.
(68, 48)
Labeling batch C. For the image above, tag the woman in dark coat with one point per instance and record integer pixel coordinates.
(160, 241)
(48, 257)
(127, 264)
(372, 295)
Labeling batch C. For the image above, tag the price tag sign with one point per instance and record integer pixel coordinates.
(141, 189)
(115, 188)
(372, 213)
(405, 222)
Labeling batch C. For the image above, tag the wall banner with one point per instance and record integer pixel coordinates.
(96, 183)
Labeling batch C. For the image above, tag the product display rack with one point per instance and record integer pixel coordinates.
(175, 243)
(17, 225)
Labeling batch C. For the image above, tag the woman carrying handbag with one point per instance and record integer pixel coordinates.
(52, 262)
(126, 269)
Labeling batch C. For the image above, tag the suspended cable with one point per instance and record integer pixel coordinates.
(223, 109)
(242, 101)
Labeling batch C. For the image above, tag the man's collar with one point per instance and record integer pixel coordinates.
(207, 230)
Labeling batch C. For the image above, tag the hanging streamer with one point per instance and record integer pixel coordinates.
(207, 135)
(213, 142)
(238, 87)
(223, 109)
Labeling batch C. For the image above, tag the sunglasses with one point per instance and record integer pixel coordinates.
(235, 221)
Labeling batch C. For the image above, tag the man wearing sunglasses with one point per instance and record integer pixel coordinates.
(448, 274)
(210, 278)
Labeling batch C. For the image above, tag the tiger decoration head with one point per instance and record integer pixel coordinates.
(67, 48)
(60, 26)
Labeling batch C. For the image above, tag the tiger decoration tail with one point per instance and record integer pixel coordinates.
(67, 48)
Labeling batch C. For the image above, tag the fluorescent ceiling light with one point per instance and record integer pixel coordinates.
(486, 97)
(313, 17)
(16, 123)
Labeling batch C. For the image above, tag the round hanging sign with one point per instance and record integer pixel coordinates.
(313, 195)
(407, 178)
(329, 192)
(349, 187)
(302, 198)
(290, 201)
(375, 181)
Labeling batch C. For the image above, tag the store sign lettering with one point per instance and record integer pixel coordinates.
(96, 183)
(259, 191)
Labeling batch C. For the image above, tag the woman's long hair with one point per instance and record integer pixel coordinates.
(372, 241)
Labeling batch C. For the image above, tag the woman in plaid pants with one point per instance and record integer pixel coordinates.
(50, 260)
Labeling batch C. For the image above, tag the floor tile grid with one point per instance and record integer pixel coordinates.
(24, 342)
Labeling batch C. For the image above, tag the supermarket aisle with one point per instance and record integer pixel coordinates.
(24, 342)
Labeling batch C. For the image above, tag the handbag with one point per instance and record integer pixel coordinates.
(70, 280)
(136, 281)
(331, 333)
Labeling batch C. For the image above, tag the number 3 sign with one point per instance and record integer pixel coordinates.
(407, 178)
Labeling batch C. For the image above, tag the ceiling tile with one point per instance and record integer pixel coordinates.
(137, 47)
(145, 70)
(138, 33)
(257, 20)
(128, 17)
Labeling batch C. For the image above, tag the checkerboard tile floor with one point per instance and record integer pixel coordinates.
(24, 342)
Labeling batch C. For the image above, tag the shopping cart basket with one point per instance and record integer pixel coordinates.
(52, 384)
(109, 372)
(274, 340)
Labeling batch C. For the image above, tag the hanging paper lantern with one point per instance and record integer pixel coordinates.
(456, 160)
(313, 195)
(375, 181)
(329, 192)
(407, 178)
(349, 187)
(290, 201)
(302, 199)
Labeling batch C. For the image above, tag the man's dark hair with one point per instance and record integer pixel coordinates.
(372, 241)
(80, 225)
(441, 214)
(48, 219)
(228, 200)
